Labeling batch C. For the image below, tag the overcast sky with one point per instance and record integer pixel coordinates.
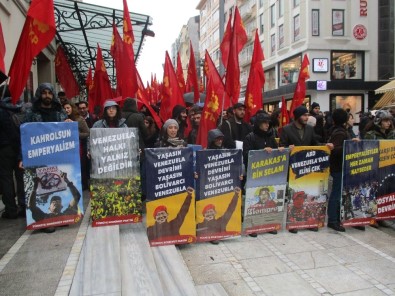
(168, 17)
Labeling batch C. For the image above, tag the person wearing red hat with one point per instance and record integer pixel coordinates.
(163, 228)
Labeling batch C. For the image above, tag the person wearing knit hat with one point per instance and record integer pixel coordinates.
(168, 135)
(179, 113)
(381, 128)
(112, 117)
(298, 133)
(319, 125)
(338, 134)
(315, 108)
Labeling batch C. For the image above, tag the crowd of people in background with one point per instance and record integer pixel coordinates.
(308, 128)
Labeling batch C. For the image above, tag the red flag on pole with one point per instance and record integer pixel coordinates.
(171, 91)
(256, 81)
(300, 90)
(180, 74)
(212, 109)
(284, 116)
(38, 31)
(102, 86)
(129, 71)
(65, 74)
(226, 42)
(89, 89)
(3, 76)
(143, 97)
(192, 80)
(239, 39)
(116, 51)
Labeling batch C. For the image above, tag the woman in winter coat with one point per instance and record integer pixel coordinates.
(112, 116)
(168, 135)
(381, 128)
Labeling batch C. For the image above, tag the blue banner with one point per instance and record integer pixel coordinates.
(50, 156)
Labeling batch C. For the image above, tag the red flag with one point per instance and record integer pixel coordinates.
(300, 90)
(212, 109)
(89, 88)
(192, 80)
(116, 51)
(129, 71)
(226, 42)
(256, 81)
(171, 91)
(3, 76)
(239, 38)
(65, 74)
(38, 31)
(284, 116)
(180, 74)
(142, 96)
(102, 86)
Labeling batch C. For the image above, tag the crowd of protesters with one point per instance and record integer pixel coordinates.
(308, 128)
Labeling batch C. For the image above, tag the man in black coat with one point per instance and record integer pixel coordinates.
(299, 133)
(235, 129)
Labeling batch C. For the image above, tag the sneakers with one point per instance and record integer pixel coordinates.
(8, 215)
(22, 212)
(362, 228)
(337, 227)
(254, 234)
(293, 231)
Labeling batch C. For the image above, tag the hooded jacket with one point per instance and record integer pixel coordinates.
(39, 114)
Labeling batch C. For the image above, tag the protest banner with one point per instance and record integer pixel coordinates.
(50, 156)
(308, 187)
(170, 196)
(218, 206)
(265, 191)
(368, 192)
(115, 176)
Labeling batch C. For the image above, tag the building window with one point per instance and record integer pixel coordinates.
(352, 103)
(337, 22)
(347, 65)
(260, 3)
(296, 3)
(280, 8)
(261, 27)
(315, 22)
(296, 27)
(273, 43)
(272, 16)
(280, 36)
(270, 79)
(289, 70)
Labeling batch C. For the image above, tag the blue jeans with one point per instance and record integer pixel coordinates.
(335, 198)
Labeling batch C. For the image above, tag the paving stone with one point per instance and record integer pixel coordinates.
(313, 259)
(264, 266)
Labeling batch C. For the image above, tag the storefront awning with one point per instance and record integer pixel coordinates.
(390, 86)
(388, 98)
(81, 26)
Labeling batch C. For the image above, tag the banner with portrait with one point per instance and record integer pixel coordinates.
(218, 206)
(308, 187)
(170, 196)
(52, 177)
(265, 191)
(368, 192)
(115, 176)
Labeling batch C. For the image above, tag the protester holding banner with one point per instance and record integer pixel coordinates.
(45, 108)
(381, 128)
(262, 137)
(215, 139)
(338, 134)
(298, 133)
(168, 135)
(83, 131)
(112, 116)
